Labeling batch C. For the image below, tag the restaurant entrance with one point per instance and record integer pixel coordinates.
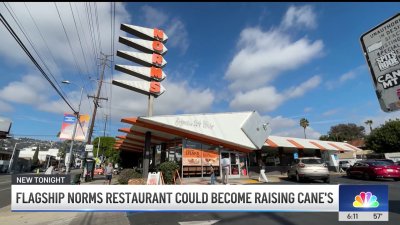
(238, 163)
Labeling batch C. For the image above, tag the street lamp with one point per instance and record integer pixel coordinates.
(10, 166)
(75, 126)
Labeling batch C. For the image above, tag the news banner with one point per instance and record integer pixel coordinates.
(53, 193)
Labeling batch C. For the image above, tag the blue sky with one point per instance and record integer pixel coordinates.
(285, 60)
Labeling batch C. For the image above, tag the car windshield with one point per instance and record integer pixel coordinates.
(311, 161)
(380, 163)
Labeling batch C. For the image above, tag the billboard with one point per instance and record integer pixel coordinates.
(382, 52)
(67, 127)
(5, 126)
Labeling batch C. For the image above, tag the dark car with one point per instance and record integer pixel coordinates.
(372, 169)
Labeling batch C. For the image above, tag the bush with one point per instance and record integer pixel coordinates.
(168, 171)
(127, 174)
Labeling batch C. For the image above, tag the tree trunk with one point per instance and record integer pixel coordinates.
(305, 137)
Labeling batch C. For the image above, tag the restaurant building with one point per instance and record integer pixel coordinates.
(196, 141)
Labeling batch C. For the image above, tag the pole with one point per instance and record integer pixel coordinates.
(12, 159)
(73, 135)
(96, 102)
(98, 148)
(150, 106)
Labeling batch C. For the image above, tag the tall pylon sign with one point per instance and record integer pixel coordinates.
(150, 44)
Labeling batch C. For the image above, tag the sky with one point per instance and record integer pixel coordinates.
(284, 60)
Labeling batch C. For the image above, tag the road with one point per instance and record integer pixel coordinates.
(5, 190)
(273, 218)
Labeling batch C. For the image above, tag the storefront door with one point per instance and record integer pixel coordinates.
(234, 167)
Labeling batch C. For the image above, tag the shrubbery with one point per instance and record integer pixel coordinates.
(168, 171)
(128, 174)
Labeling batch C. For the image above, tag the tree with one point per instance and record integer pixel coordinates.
(385, 138)
(344, 132)
(106, 148)
(304, 123)
(369, 123)
(35, 159)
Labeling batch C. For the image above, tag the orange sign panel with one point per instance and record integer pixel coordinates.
(210, 157)
(197, 157)
(191, 157)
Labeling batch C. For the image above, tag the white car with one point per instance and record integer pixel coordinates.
(344, 164)
(309, 168)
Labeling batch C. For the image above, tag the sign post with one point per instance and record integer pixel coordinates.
(382, 53)
(152, 49)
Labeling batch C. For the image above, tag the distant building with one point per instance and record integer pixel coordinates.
(27, 153)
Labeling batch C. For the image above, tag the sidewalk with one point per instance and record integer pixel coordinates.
(253, 179)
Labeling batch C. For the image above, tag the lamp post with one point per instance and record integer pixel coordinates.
(10, 166)
(75, 126)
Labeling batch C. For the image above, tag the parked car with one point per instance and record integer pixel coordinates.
(99, 171)
(309, 168)
(344, 164)
(372, 169)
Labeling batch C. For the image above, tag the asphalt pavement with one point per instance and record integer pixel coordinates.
(268, 218)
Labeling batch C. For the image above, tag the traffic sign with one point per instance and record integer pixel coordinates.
(382, 52)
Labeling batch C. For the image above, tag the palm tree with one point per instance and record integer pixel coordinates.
(304, 123)
(369, 122)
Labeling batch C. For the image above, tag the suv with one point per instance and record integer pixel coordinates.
(309, 167)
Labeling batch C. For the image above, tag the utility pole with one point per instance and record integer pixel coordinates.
(96, 99)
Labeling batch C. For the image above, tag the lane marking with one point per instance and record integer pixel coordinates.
(5, 189)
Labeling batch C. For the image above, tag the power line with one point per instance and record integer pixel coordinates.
(70, 46)
(91, 31)
(47, 46)
(21, 44)
(21, 27)
(93, 50)
(97, 23)
(80, 42)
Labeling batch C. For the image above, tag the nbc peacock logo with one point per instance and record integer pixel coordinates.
(365, 200)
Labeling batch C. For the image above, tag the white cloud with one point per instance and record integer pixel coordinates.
(153, 16)
(268, 99)
(174, 27)
(308, 109)
(27, 91)
(379, 120)
(5, 107)
(330, 112)
(262, 56)
(303, 88)
(179, 97)
(47, 19)
(299, 17)
(282, 126)
(352, 74)
(263, 99)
